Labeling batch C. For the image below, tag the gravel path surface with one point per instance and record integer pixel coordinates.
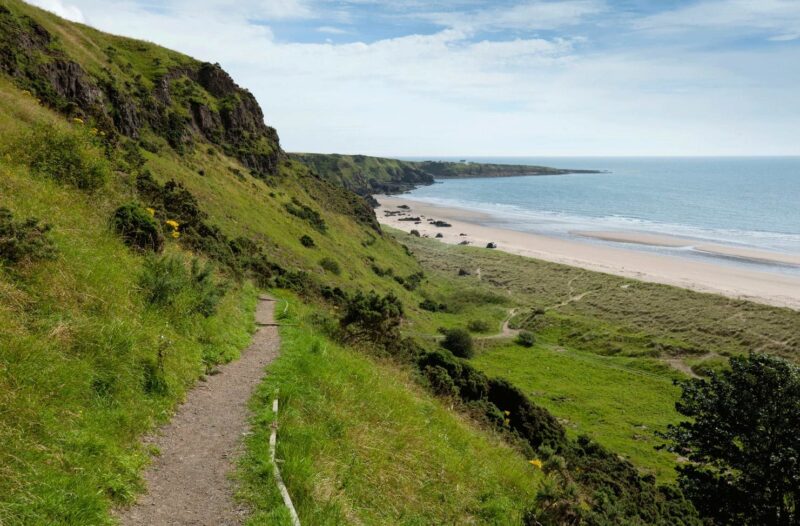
(189, 482)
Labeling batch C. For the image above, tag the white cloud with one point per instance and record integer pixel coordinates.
(779, 17)
(70, 12)
(447, 93)
(332, 30)
(529, 15)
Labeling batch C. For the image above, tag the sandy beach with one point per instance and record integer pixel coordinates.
(765, 287)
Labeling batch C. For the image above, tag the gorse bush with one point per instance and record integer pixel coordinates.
(372, 317)
(479, 326)
(526, 339)
(26, 240)
(330, 265)
(166, 281)
(308, 214)
(307, 241)
(137, 227)
(459, 342)
(67, 156)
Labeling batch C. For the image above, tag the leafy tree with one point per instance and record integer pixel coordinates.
(743, 442)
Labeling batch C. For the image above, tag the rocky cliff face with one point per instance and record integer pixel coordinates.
(183, 104)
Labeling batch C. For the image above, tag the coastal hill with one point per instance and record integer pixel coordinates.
(367, 175)
(146, 209)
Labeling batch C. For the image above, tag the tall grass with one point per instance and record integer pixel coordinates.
(362, 444)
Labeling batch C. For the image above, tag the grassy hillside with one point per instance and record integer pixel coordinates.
(362, 443)
(170, 203)
(377, 175)
(102, 337)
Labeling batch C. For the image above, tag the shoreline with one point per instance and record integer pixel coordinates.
(780, 290)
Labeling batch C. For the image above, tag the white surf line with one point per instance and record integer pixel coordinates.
(273, 440)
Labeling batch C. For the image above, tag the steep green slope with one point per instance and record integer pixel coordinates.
(377, 175)
(99, 340)
(148, 165)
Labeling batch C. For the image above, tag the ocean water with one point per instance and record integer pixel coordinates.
(744, 202)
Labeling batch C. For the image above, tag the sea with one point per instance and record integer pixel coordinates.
(747, 202)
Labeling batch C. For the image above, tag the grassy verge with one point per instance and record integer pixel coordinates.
(79, 352)
(363, 444)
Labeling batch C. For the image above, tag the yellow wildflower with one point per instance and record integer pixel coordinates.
(26, 92)
(102, 134)
(176, 234)
(94, 131)
(77, 120)
(172, 223)
(535, 463)
(151, 211)
(507, 413)
(506, 422)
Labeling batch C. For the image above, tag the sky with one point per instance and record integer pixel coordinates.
(495, 78)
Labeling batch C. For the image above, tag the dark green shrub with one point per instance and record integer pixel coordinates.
(412, 281)
(533, 423)
(459, 342)
(305, 212)
(137, 228)
(307, 242)
(67, 156)
(431, 306)
(24, 240)
(330, 265)
(526, 339)
(372, 317)
(440, 381)
(479, 326)
(382, 272)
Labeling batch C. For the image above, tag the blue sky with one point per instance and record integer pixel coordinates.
(507, 77)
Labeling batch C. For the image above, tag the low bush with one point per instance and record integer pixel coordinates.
(526, 339)
(459, 342)
(166, 281)
(479, 326)
(307, 242)
(431, 306)
(26, 240)
(372, 317)
(308, 214)
(137, 227)
(68, 156)
(330, 266)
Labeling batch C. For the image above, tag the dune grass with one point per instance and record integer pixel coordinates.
(363, 444)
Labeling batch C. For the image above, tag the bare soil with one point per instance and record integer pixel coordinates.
(189, 483)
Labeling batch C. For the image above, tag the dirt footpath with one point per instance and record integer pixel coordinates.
(189, 483)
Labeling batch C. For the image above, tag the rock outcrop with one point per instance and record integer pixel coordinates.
(189, 101)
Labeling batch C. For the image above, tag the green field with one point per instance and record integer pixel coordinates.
(608, 398)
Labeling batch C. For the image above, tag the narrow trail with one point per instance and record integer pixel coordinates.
(188, 483)
(505, 330)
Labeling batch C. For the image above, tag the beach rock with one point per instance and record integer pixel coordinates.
(439, 235)
(442, 224)
(491, 245)
(465, 242)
